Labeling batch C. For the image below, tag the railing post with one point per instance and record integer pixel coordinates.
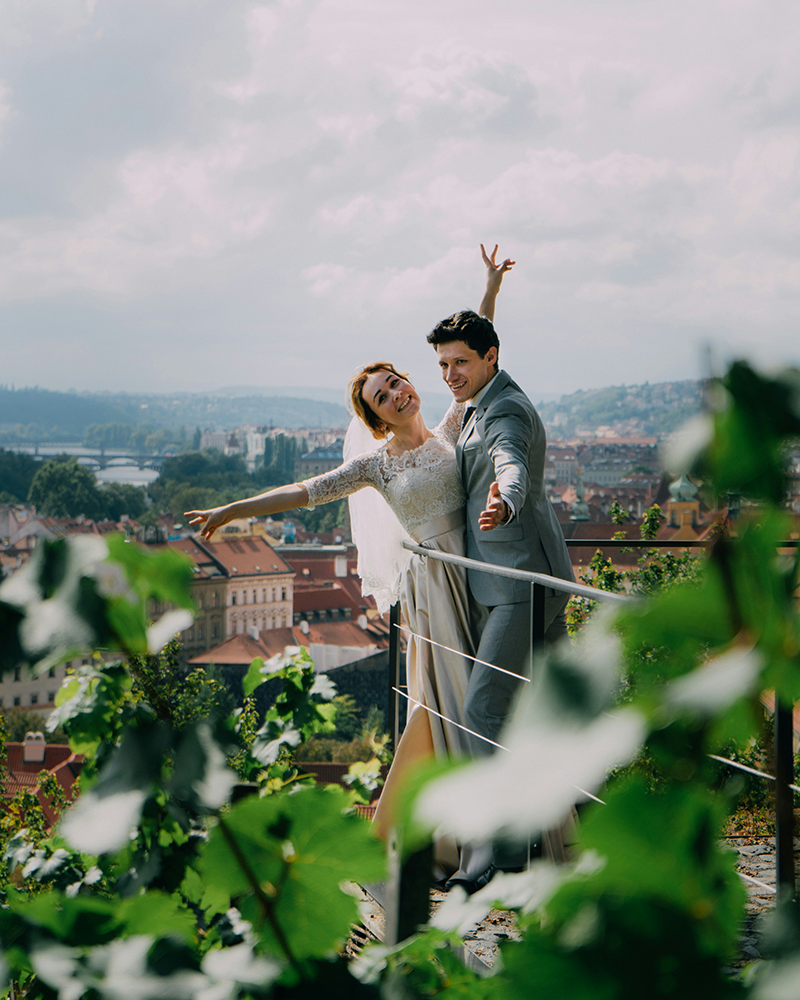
(784, 799)
(392, 711)
(537, 618)
(408, 895)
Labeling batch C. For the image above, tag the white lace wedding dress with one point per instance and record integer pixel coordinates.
(424, 491)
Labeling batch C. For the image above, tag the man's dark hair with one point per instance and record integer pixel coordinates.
(476, 331)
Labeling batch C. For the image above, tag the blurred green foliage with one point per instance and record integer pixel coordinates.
(198, 862)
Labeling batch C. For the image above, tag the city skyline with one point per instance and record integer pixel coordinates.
(295, 189)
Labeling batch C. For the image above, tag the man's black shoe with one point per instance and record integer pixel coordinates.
(471, 885)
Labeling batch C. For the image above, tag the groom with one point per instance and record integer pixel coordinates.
(510, 521)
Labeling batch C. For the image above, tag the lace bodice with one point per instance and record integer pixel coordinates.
(418, 485)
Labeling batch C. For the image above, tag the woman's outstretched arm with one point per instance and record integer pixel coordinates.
(494, 279)
(272, 502)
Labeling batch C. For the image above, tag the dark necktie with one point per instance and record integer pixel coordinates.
(467, 414)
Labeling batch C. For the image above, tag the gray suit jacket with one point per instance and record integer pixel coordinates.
(504, 440)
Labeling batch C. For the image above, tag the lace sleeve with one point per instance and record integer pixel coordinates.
(348, 478)
(450, 427)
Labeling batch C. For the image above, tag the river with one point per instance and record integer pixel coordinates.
(129, 474)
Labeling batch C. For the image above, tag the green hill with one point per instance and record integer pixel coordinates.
(38, 414)
(652, 410)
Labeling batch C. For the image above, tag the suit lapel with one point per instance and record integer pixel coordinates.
(498, 385)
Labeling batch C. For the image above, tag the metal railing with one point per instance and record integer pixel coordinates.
(407, 900)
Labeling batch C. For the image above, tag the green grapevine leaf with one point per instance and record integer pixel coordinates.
(290, 855)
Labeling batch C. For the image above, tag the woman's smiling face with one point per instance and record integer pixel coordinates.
(392, 398)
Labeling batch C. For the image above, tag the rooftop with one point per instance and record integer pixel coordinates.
(251, 556)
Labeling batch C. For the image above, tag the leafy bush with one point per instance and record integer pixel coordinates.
(163, 882)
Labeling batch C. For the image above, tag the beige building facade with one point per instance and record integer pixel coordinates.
(241, 585)
(20, 689)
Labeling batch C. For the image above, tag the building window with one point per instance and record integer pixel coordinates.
(215, 631)
(215, 600)
(34, 698)
(51, 672)
(201, 632)
(233, 597)
(17, 673)
(254, 597)
(51, 696)
(283, 593)
(17, 701)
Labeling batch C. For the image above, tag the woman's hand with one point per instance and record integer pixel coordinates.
(264, 505)
(494, 278)
(209, 520)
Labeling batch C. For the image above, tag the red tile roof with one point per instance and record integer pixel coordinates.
(58, 760)
(241, 650)
(322, 599)
(251, 556)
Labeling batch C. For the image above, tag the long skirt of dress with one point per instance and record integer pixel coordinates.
(435, 606)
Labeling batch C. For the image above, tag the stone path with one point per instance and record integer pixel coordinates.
(755, 863)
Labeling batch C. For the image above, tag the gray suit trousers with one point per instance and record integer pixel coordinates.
(503, 637)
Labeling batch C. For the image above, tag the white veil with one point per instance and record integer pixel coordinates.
(377, 533)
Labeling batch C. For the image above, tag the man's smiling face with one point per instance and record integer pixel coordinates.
(464, 370)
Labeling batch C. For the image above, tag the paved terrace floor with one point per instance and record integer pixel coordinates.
(755, 862)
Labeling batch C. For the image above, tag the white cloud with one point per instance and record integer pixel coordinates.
(331, 167)
(6, 106)
(25, 23)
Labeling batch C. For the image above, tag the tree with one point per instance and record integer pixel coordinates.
(280, 451)
(16, 475)
(123, 498)
(162, 882)
(19, 721)
(326, 517)
(178, 697)
(198, 480)
(63, 488)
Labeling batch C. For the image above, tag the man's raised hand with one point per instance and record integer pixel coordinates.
(495, 270)
(494, 279)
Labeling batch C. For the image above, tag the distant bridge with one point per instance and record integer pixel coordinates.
(93, 458)
(122, 459)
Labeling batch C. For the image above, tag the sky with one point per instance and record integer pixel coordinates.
(197, 194)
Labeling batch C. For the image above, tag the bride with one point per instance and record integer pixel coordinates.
(414, 470)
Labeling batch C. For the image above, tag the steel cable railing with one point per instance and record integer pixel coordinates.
(408, 887)
(539, 582)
